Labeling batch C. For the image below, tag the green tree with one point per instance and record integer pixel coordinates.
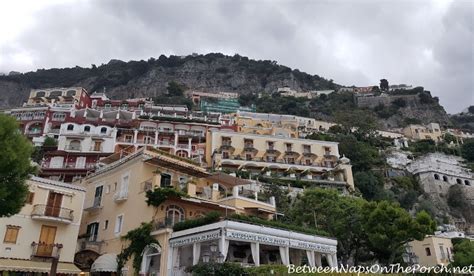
(217, 269)
(363, 156)
(384, 85)
(467, 150)
(470, 109)
(389, 228)
(138, 239)
(175, 89)
(15, 152)
(50, 142)
(369, 184)
(344, 220)
(463, 252)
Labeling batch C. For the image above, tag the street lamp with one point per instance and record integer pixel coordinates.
(206, 257)
(213, 247)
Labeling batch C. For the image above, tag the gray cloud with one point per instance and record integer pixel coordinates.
(424, 43)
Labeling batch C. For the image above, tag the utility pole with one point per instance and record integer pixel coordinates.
(54, 266)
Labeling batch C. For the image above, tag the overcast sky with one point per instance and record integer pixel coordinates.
(423, 43)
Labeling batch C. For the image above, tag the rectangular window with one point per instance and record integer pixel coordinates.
(98, 196)
(30, 198)
(11, 234)
(306, 148)
(118, 224)
(428, 251)
(165, 180)
(441, 249)
(93, 231)
(106, 224)
(225, 155)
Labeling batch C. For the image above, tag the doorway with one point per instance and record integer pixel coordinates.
(46, 241)
(53, 206)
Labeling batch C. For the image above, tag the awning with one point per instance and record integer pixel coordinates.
(36, 266)
(105, 263)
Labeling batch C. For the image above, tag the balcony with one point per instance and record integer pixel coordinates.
(45, 250)
(96, 205)
(88, 243)
(74, 147)
(68, 166)
(50, 213)
(33, 132)
(96, 149)
(261, 162)
(162, 223)
(120, 196)
(183, 146)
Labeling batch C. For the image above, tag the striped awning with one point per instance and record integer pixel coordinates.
(36, 266)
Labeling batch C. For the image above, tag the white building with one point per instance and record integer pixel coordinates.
(86, 138)
(249, 245)
(442, 169)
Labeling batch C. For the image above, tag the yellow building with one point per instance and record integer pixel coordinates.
(312, 161)
(418, 132)
(76, 96)
(432, 251)
(45, 228)
(116, 203)
(285, 128)
(279, 124)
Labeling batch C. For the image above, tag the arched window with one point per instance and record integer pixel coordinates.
(466, 182)
(103, 130)
(87, 129)
(75, 145)
(445, 178)
(70, 127)
(71, 93)
(174, 214)
(436, 176)
(59, 116)
(55, 94)
(458, 181)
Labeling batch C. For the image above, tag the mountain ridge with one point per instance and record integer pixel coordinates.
(211, 72)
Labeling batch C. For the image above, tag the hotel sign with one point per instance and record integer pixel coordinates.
(254, 237)
(206, 236)
(312, 246)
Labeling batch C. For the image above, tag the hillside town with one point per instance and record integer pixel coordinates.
(127, 186)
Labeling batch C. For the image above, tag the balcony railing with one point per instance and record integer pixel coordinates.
(45, 250)
(120, 196)
(98, 149)
(89, 243)
(96, 204)
(45, 211)
(162, 223)
(47, 165)
(73, 147)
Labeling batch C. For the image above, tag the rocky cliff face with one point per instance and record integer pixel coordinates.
(211, 72)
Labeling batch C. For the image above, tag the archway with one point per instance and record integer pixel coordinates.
(151, 260)
(85, 258)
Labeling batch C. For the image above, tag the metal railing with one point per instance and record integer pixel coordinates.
(162, 223)
(73, 147)
(42, 249)
(121, 195)
(52, 211)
